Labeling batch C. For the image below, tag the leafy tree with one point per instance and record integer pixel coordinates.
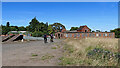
(22, 28)
(8, 24)
(50, 30)
(117, 32)
(27, 28)
(13, 29)
(37, 34)
(73, 28)
(97, 30)
(57, 27)
(5, 30)
(1, 30)
(33, 24)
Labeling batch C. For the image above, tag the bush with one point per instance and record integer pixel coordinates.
(37, 34)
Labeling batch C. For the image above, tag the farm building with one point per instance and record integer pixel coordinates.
(83, 32)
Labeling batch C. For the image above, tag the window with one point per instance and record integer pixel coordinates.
(93, 35)
(105, 34)
(78, 35)
(70, 35)
(89, 35)
(75, 35)
(100, 35)
(97, 35)
(86, 35)
(82, 35)
(109, 34)
(66, 35)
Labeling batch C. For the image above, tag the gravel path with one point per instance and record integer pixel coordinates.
(32, 53)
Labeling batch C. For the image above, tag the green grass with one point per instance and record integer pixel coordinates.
(34, 55)
(54, 47)
(45, 57)
(66, 61)
(76, 52)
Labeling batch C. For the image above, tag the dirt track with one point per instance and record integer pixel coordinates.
(21, 53)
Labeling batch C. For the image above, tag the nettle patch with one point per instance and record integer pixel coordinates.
(99, 53)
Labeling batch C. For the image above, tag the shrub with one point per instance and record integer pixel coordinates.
(45, 57)
(37, 34)
(34, 55)
(54, 48)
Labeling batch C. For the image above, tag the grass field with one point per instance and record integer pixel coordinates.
(90, 52)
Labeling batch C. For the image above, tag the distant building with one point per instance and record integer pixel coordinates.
(25, 33)
(83, 29)
(83, 32)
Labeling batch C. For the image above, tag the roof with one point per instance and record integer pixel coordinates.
(14, 31)
(81, 27)
(18, 31)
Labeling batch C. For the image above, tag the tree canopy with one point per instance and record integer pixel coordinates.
(117, 32)
(57, 27)
(74, 28)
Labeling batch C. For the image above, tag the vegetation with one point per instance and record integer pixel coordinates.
(74, 28)
(86, 52)
(34, 55)
(35, 27)
(45, 57)
(38, 29)
(54, 48)
(57, 27)
(117, 32)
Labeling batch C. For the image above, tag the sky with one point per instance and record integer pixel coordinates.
(96, 15)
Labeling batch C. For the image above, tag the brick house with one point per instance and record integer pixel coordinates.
(83, 29)
(83, 32)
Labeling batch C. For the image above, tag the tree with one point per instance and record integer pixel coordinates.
(117, 32)
(36, 27)
(105, 31)
(5, 30)
(57, 27)
(50, 30)
(8, 24)
(73, 28)
(33, 24)
(22, 28)
(97, 30)
(37, 34)
(27, 28)
(14, 28)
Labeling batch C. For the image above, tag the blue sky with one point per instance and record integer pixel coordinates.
(96, 15)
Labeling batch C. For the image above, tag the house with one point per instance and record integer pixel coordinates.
(83, 32)
(83, 29)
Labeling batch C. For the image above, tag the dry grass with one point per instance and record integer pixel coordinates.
(76, 50)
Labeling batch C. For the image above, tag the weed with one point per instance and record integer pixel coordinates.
(54, 48)
(34, 55)
(45, 57)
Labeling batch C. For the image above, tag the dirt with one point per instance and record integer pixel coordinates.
(30, 53)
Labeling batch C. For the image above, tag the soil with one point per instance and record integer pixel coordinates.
(30, 53)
